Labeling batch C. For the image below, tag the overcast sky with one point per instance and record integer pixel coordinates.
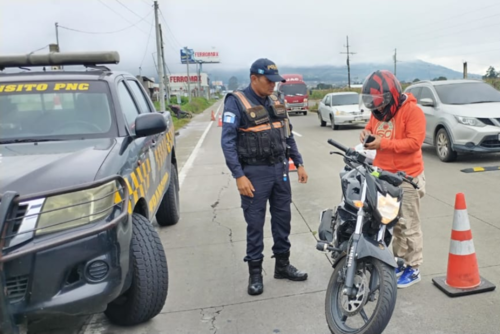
(290, 32)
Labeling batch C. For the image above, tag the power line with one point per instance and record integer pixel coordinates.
(130, 10)
(147, 43)
(39, 49)
(168, 27)
(123, 17)
(105, 32)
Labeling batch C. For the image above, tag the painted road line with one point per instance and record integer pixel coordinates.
(297, 134)
(189, 163)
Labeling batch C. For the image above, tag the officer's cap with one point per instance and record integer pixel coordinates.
(267, 68)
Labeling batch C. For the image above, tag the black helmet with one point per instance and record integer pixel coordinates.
(382, 94)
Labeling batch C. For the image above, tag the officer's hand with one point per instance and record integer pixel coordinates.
(245, 186)
(363, 135)
(302, 175)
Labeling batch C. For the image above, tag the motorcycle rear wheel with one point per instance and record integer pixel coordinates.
(385, 303)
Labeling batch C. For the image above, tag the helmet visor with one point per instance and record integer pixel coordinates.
(376, 101)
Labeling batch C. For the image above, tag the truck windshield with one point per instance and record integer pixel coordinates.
(294, 89)
(55, 110)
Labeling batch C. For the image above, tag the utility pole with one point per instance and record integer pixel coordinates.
(57, 35)
(166, 81)
(159, 54)
(465, 70)
(187, 66)
(199, 77)
(348, 62)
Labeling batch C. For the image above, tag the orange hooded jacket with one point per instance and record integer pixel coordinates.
(402, 139)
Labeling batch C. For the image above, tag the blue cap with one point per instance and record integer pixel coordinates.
(267, 68)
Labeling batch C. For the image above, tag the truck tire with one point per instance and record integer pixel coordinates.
(148, 265)
(169, 210)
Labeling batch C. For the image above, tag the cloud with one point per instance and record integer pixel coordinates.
(289, 32)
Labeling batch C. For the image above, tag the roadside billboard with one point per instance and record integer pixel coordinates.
(178, 81)
(189, 55)
(207, 56)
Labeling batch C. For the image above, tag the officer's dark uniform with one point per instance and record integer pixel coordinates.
(257, 140)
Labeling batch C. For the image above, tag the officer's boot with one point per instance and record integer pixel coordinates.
(255, 284)
(284, 269)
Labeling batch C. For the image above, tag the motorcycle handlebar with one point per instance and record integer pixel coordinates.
(338, 145)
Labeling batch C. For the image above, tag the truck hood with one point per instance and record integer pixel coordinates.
(480, 110)
(38, 167)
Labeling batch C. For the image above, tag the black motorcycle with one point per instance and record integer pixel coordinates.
(358, 233)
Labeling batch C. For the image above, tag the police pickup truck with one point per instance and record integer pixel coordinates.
(86, 165)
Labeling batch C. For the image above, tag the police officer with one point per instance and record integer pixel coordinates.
(257, 142)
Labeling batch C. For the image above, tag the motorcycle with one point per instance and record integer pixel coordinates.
(358, 233)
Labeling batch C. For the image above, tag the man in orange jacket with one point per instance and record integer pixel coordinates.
(398, 125)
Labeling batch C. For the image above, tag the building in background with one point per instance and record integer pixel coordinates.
(178, 85)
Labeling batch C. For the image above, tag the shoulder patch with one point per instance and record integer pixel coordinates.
(229, 117)
(273, 97)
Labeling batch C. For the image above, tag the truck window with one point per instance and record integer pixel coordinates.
(298, 89)
(129, 108)
(139, 96)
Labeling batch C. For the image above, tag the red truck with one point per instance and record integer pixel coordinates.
(294, 91)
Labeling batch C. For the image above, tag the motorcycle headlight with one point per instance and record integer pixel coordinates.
(75, 209)
(388, 207)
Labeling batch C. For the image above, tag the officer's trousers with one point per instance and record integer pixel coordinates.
(270, 183)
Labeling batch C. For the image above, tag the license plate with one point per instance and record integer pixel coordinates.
(359, 118)
(296, 109)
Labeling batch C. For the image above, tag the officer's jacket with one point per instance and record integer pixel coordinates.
(255, 130)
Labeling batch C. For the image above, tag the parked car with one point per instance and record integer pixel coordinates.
(87, 163)
(341, 109)
(461, 116)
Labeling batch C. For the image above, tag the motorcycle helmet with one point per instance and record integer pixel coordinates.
(382, 94)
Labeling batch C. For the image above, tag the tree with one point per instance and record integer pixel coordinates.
(491, 73)
(233, 83)
(441, 78)
(416, 80)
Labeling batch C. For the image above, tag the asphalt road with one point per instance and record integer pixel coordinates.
(205, 250)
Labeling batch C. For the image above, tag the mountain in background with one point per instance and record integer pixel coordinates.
(406, 71)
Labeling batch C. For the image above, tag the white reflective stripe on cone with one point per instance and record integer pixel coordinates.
(461, 220)
(465, 247)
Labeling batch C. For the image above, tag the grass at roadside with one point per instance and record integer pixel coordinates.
(196, 106)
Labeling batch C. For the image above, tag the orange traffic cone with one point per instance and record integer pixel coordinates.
(57, 102)
(291, 166)
(220, 120)
(462, 277)
(213, 116)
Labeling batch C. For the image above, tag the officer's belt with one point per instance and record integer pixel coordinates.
(264, 162)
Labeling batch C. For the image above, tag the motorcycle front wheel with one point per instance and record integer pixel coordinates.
(377, 292)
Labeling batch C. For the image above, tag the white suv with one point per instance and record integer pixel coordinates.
(461, 116)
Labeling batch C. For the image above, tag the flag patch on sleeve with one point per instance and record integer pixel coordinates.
(229, 117)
